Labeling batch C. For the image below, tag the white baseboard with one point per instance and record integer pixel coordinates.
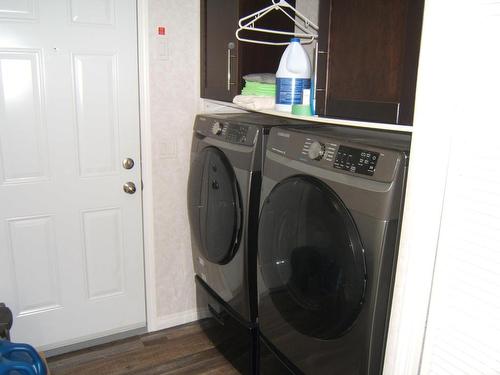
(93, 340)
(172, 320)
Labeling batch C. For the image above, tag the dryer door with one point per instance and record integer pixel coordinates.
(311, 258)
(214, 206)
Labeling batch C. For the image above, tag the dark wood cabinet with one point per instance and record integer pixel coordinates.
(225, 60)
(367, 64)
(218, 49)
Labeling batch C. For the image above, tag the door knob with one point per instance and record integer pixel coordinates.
(129, 187)
(128, 163)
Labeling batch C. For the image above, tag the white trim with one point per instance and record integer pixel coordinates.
(95, 339)
(184, 317)
(417, 252)
(436, 116)
(146, 165)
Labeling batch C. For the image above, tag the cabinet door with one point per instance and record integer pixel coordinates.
(373, 57)
(219, 20)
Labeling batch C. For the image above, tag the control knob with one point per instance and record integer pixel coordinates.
(316, 151)
(217, 128)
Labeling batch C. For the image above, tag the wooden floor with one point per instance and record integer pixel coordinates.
(188, 349)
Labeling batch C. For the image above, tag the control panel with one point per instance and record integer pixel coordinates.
(227, 131)
(342, 157)
(235, 133)
(333, 151)
(356, 160)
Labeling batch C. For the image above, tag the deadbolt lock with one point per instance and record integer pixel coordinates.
(128, 163)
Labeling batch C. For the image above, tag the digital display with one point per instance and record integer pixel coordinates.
(356, 160)
(236, 133)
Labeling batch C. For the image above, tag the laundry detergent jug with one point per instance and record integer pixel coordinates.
(293, 78)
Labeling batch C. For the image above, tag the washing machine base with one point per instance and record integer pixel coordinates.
(236, 339)
(272, 362)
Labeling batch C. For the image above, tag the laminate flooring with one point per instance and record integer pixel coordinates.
(188, 349)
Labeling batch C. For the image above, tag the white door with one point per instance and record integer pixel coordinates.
(71, 257)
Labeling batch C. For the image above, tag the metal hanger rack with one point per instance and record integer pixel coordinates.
(302, 22)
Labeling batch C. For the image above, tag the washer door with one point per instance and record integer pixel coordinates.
(311, 257)
(214, 206)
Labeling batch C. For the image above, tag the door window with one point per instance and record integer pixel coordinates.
(311, 257)
(215, 206)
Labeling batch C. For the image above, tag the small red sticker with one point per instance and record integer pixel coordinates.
(161, 30)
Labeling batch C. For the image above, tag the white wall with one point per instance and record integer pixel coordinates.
(174, 90)
(174, 100)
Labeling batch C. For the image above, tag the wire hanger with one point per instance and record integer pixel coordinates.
(301, 21)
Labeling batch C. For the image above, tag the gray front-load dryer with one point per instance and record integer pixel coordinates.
(223, 204)
(331, 205)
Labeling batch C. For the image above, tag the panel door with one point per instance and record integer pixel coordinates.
(71, 253)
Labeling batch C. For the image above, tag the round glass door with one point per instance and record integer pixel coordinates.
(311, 257)
(214, 206)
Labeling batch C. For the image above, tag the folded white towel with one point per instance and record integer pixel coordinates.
(255, 103)
(261, 78)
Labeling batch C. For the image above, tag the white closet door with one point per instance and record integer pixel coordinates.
(464, 318)
(71, 257)
(463, 331)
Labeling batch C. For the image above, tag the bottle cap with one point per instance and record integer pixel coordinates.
(295, 40)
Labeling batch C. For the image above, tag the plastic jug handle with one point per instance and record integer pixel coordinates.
(8, 348)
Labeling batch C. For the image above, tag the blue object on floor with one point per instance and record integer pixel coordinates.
(22, 359)
(8, 367)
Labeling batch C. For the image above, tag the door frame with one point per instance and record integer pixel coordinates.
(146, 164)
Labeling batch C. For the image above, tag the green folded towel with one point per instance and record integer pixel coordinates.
(259, 89)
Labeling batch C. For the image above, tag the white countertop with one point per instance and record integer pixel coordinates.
(342, 122)
(316, 119)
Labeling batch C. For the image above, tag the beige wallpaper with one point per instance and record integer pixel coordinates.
(175, 100)
(174, 103)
